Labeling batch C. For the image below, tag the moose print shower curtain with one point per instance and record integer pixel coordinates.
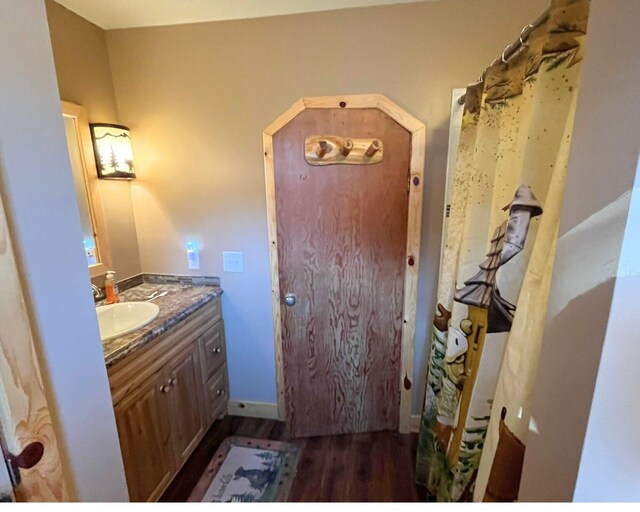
(497, 264)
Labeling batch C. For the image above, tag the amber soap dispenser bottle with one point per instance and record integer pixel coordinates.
(111, 288)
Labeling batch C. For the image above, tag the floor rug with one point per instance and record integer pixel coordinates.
(248, 470)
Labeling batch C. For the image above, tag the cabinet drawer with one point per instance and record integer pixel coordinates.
(216, 395)
(213, 351)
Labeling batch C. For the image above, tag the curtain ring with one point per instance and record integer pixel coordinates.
(502, 58)
(522, 38)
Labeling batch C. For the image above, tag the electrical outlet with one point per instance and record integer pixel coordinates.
(193, 254)
(233, 261)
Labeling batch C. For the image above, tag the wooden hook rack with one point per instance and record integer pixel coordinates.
(332, 150)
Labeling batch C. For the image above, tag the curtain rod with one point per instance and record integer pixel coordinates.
(511, 49)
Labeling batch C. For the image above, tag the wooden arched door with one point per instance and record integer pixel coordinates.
(344, 252)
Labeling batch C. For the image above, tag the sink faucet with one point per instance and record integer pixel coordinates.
(97, 293)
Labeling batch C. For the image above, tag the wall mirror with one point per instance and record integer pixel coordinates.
(85, 180)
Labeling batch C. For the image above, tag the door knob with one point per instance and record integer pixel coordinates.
(28, 458)
(290, 299)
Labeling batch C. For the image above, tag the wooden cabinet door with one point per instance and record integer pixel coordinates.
(185, 403)
(145, 440)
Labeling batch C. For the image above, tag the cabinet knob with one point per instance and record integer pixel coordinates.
(173, 382)
(220, 392)
(217, 350)
(164, 388)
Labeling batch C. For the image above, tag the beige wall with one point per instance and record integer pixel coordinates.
(198, 96)
(84, 77)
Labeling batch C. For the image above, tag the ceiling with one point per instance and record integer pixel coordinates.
(110, 14)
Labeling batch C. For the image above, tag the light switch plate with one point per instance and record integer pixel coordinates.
(233, 261)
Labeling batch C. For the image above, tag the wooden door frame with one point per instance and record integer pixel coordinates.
(412, 257)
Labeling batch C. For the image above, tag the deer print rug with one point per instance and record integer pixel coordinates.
(247, 470)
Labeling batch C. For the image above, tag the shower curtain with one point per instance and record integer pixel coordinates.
(497, 264)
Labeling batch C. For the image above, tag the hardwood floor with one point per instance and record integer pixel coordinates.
(371, 467)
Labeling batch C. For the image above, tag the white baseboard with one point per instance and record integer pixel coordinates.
(269, 411)
(414, 426)
(264, 410)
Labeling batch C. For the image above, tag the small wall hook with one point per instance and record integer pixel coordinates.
(322, 148)
(336, 149)
(347, 147)
(373, 148)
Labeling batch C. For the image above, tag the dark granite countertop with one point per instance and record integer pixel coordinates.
(182, 299)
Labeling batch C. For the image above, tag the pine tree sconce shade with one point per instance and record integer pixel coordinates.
(113, 151)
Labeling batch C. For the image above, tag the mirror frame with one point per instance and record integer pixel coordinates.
(96, 211)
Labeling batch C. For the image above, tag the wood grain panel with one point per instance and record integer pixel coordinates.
(127, 374)
(216, 393)
(332, 150)
(145, 439)
(342, 237)
(162, 402)
(186, 402)
(213, 351)
(25, 417)
(412, 269)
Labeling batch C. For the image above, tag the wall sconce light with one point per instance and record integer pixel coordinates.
(114, 154)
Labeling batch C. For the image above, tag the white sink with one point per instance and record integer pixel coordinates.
(120, 319)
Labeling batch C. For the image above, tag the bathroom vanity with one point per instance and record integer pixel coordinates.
(168, 381)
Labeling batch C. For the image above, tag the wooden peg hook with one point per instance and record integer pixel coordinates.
(322, 148)
(347, 147)
(373, 148)
(336, 149)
